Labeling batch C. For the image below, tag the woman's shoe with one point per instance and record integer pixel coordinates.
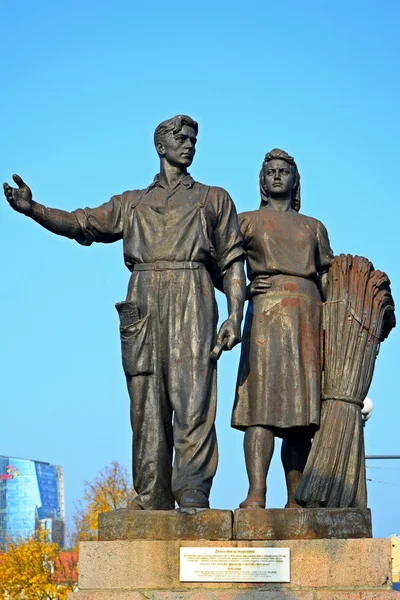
(253, 501)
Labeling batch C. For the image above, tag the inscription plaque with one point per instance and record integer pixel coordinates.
(235, 564)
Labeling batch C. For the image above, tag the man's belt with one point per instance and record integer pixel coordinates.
(163, 265)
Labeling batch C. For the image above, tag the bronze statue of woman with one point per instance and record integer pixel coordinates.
(279, 382)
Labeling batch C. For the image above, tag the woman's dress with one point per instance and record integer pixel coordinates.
(279, 380)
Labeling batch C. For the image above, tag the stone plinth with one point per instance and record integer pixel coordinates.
(188, 524)
(153, 566)
(237, 595)
(144, 562)
(302, 523)
(270, 524)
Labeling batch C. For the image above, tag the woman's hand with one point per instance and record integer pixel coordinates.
(259, 286)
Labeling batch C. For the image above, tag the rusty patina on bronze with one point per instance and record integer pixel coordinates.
(299, 295)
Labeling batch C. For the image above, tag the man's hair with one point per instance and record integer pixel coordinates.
(173, 125)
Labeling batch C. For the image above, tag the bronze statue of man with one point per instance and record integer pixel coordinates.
(179, 236)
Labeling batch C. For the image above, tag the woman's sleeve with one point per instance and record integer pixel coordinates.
(325, 256)
(242, 220)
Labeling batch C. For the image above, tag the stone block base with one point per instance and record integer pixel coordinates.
(240, 595)
(188, 524)
(302, 523)
(319, 570)
(270, 524)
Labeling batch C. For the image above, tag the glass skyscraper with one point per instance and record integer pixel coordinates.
(31, 498)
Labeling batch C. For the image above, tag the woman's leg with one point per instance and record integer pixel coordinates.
(295, 450)
(258, 450)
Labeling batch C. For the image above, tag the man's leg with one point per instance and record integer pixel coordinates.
(151, 421)
(192, 386)
(258, 450)
(195, 440)
(295, 450)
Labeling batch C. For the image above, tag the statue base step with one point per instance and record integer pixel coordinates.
(260, 524)
(302, 523)
(186, 524)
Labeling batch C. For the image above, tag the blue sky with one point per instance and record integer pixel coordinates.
(83, 86)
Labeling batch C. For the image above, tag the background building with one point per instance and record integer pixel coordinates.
(395, 539)
(31, 497)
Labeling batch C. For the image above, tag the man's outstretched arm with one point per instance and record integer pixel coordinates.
(57, 221)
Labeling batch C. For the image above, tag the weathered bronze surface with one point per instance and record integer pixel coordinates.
(299, 295)
(311, 318)
(180, 238)
(279, 382)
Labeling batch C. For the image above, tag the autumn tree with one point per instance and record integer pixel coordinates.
(36, 569)
(110, 490)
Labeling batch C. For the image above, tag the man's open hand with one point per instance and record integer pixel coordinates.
(20, 198)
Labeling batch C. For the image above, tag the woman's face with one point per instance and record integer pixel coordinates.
(278, 178)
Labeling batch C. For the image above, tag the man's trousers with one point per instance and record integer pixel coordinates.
(167, 336)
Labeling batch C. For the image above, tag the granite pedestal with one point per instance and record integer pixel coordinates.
(144, 564)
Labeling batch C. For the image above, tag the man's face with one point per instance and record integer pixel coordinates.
(179, 148)
(278, 178)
